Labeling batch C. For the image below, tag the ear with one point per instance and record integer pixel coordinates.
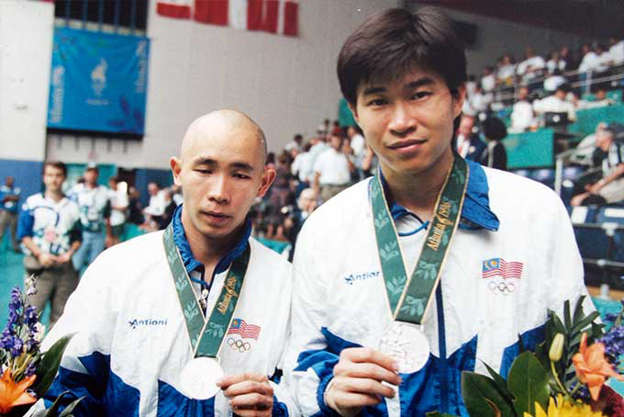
(268, 176)
(458, 100)
(176, 168)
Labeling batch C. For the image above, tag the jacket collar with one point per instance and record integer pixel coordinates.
(476, 212)
(192, 264)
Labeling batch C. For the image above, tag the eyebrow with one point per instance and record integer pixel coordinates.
(212, 163)
(411, 85)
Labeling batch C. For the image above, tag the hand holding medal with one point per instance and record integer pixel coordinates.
(360, 379)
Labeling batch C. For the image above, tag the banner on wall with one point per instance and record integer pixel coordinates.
(98, 81)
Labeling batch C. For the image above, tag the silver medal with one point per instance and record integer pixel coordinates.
(198, 379)
(407, 345)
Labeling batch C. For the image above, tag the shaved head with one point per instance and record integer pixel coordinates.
(217, 123)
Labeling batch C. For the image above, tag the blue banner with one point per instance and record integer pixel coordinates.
(98, 81)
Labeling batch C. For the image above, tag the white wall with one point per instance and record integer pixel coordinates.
(288, 85)
(496, 37)
(25, 51)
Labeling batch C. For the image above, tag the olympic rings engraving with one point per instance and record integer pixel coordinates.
(238, 344)
(504, 287)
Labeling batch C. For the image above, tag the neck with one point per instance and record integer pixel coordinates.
(90, 185)
(207, 250)
(418, 192)
(54, 195)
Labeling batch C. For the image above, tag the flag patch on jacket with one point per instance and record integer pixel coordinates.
(246, 331)
(499, 267)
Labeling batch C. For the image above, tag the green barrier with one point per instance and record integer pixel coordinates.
(345, 117)
(586, 120)
(276, 245)
(530, 149)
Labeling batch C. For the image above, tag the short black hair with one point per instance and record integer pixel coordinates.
(391, 43)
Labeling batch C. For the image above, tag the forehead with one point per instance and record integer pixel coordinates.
(52, 170)
(226, 146)
(406, 80)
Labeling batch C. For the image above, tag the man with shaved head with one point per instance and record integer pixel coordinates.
(192, 320)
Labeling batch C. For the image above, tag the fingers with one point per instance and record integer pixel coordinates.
(364, 386)
(367, 363)
(251, 401)
(246, 387)
(226, 381)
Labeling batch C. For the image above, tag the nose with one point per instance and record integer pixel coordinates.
(402, 122)
(218, 190)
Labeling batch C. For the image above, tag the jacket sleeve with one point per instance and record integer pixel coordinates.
(90, 315)
(309, 359)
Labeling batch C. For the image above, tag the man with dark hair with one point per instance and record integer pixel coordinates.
(490, 251)
(49, 228)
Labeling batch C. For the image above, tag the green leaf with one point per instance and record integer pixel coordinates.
(482, 398)
(49, 364)
(566, 314)
(528, 382)
(586, 321)
(53, 410)
(438, 414)
(578, 309)
(500, 383)
(67, 412)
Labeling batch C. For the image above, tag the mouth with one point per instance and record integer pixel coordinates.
(215, 216)
(407, 144)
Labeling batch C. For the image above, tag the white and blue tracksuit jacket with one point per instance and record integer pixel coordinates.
(339, 296)
(131, 341)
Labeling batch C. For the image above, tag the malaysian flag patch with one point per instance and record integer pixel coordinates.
(244, 330)
(499, 267)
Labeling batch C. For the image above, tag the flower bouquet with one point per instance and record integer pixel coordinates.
(27, 373)
(564, 377)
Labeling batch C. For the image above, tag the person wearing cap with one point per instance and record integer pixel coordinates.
(190, 321)
(434, 266)
(94, 202)
(49, 229)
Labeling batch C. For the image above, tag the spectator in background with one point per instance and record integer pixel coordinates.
(616, 51)
(469, 145)
(531, 67)
(296, 143)
(488, 80)
(95, 210)
(301, 167)
(564, 55)
(495, 131)
(119, 206)
(332, 170)
(9, 198)
(592, 61)
(556, 103)
(506, 70)
(471, 85)
(336, 129)
(522, 117)
(584, 151)
(170, 206)
(178, 198)
(155, 209)
(480, 101)
(49, 228)
(554, 80)
(555, 63)
(600, 99)
(135, 209)
(358, 145)
(609, 189)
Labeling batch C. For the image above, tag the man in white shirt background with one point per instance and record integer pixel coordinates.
(332, 170)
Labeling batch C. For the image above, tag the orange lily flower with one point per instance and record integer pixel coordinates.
(592, 369)
(14, 393)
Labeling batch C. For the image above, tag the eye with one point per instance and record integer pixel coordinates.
(241, 176)
(203, 170)
(421, 94)
(376, 102)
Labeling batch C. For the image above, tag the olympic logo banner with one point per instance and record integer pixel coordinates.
(98, 81)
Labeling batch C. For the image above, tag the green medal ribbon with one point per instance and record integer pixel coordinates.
(410, 299)
(206, 335)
